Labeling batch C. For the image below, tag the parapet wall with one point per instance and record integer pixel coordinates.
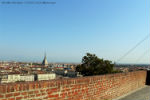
(101, 87)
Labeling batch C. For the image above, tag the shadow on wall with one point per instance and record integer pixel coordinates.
(148, 78)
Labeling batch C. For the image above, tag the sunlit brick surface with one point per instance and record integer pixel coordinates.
(85, 88)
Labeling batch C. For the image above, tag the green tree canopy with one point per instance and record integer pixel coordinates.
(92, 65)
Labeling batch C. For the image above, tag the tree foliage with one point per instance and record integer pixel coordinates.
(92, 65)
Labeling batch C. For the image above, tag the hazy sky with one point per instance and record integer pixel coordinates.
(70, 28)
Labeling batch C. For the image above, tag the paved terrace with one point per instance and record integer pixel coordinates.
(140, 94)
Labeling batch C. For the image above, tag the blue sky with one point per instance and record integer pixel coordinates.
(70, 28)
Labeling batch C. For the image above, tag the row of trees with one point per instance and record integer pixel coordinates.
(92, 65)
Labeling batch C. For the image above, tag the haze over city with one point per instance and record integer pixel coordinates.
(74, 49)
(70, 28)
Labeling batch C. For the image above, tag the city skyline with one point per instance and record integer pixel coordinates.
(69, 29)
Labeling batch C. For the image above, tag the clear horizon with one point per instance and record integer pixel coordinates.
(69, 29)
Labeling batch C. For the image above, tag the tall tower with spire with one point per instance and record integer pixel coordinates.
(45, 62)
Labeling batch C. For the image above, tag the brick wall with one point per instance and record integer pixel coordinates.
(85, 88)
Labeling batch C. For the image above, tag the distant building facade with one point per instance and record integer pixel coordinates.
(16, 78)
(49, 76)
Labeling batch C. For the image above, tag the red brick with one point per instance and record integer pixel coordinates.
(25, 97)
(31, 86)
(31, 92)
(1, 96)
(54, 89)
(3, 89)
(51, 96)
(86, 88)
(16, 94)
(38, 95)
(36, 92)
(18, 98)
(16, 87)
(8, 89)
(11, 98)
(9, 95)
(42, 90)
(24, 93)
(32, 95)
